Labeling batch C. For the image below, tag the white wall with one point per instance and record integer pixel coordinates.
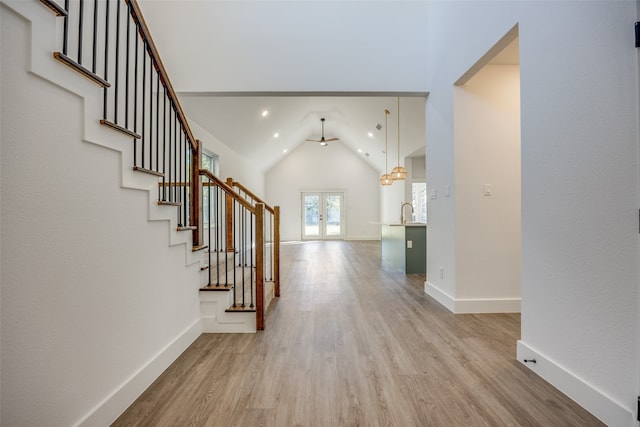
(419, 168)
(487, 151)
(95, 301)
(311, 167)
(637, 375)
(232, 165)
(579, 184)
(281, 46)
(391, 199)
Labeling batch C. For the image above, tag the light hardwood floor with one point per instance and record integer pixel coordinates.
(348, 344)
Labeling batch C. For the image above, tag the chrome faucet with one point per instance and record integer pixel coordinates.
(402, 220)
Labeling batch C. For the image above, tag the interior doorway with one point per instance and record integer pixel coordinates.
(322, 215)
(487, 151)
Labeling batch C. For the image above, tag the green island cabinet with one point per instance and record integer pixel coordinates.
(404, 248)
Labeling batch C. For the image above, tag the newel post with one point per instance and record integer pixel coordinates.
(195, 199)
(259, 216)
(276, 251)
(229, 210)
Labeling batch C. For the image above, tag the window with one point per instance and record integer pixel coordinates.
(419, 200)
(209, 162)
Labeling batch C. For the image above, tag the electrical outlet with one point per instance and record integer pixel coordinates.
(409, 244)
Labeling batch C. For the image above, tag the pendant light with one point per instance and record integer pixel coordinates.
(386, 179)
(399, 172)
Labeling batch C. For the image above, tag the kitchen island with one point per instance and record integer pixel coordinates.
(404, 248)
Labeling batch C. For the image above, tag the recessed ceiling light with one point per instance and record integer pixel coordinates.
(265, 113)
(370, 135)
(275, 135)
(359, 150)
(284, 151)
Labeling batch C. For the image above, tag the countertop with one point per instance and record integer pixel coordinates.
(409, 224)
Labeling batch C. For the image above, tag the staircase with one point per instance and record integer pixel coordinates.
(109, 44)
(104, 241)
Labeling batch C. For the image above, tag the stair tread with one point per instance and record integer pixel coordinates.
(166, 203)
(81, 69)
(119, 128)
(55, 7)
(240, 309)
(227, 287)
(149, 171)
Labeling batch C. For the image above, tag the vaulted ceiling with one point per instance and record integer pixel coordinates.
(346, 61)
(358, 122)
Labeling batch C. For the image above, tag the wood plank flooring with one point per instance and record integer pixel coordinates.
(348, 344)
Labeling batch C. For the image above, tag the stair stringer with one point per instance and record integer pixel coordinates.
(215, 319)
(45, 32)
(214, 303)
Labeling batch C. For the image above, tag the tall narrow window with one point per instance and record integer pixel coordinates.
(209, 162)
(419, 200)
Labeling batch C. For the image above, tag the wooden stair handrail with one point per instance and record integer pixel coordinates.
(257, 211)
(227, 189)
(251, 194)
(275, 211)
(136, 14)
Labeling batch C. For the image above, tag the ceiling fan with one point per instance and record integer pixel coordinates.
(322, 140)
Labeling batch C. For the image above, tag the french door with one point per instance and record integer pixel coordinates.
(322, 214)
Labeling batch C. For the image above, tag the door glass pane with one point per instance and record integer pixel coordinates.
(333, 215)
(311, 215)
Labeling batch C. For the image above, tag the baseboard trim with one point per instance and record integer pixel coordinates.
(497, 305)
(603, 407)
(107, 411)
(441, 296)
(466, 306)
